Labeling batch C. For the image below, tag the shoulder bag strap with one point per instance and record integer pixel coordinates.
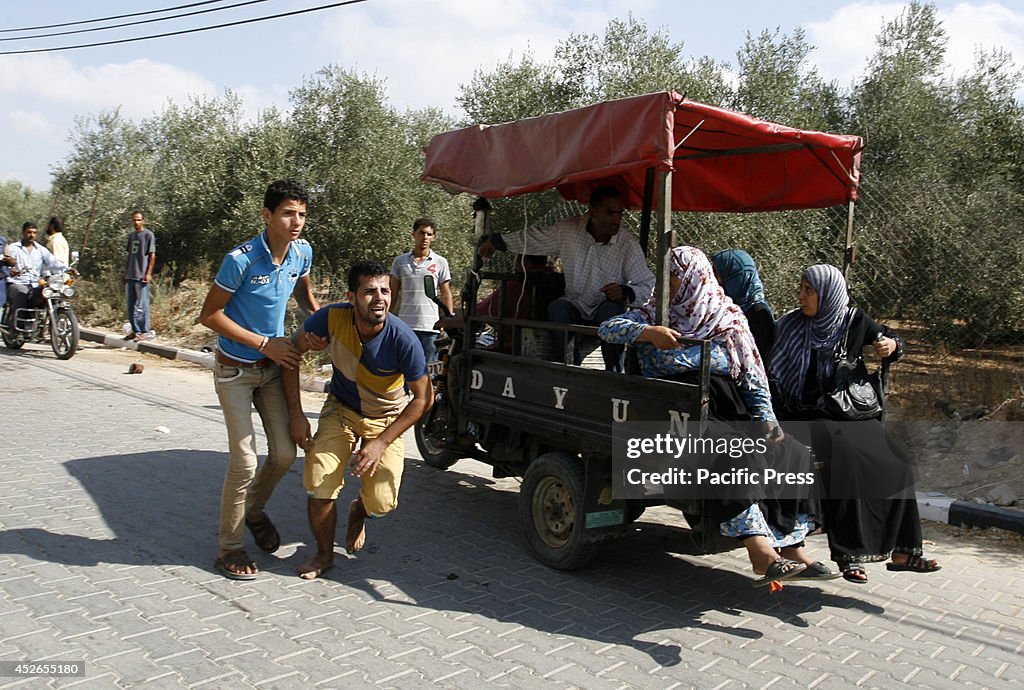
(843, 348)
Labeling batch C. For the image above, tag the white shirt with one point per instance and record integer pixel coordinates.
(30, 264)
(588, 265)
(416, 308)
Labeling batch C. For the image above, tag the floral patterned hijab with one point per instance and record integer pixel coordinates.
(796, 335)
(700, 309)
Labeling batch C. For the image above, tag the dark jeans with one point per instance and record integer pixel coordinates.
(428, 340)
(20, 296)
(564, 311)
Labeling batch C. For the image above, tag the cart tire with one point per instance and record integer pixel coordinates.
(551, 509)
(64, 334)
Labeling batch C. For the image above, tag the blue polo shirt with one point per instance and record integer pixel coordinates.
(259, 290)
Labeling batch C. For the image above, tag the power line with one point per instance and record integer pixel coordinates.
(140, 21)
(181, 32)
(104, 19)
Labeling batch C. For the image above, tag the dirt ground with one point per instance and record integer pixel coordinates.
(963, 414)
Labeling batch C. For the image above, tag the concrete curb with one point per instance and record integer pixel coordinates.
(203, 359)
(951, 511)
(932, 506)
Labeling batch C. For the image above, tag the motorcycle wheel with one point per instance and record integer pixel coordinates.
(430, 433)
(13, 341)
(64, 334)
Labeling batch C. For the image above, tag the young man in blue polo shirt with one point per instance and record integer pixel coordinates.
(378, 390)
(246, 306)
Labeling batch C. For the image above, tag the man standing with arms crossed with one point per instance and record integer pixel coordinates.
(378, 362)
(246, 306)
(138, 274)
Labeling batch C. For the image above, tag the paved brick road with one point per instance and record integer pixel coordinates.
(107, 538)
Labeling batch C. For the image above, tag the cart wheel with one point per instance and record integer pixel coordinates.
(551, 508)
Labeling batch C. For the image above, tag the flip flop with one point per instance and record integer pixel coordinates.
(914, 564)
(817, 571)
(236, 559)
(265, 534)
(781, 569)
(850, 573)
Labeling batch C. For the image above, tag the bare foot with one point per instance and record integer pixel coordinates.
(796, 553)
(315, 566)
(355, 531)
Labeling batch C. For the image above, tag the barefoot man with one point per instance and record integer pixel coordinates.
(378, 390)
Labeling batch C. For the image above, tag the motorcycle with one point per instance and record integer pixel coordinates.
(434, 431)
(54, 322)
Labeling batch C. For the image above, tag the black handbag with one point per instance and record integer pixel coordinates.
(855, 394)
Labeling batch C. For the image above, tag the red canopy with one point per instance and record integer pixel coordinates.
(721, 160)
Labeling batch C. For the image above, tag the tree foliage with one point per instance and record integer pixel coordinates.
(18, 204)
(941, 201)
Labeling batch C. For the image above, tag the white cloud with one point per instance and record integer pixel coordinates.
(846, 41)
(426, 50)
(34, 124)
(140, 87)
(987, 26)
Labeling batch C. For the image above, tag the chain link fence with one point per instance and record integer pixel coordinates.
(946, 270)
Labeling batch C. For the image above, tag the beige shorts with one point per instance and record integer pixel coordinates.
(336, 438)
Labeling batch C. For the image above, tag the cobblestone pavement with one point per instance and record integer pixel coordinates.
(107, 541)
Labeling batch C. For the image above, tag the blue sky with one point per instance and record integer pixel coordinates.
(423, 49)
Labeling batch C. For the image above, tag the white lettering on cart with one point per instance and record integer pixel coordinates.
(677, 422)
(620, 409)
(559, 397)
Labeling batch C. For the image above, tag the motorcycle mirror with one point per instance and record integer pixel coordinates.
(74, 256)
(430, 290)
(430, 287)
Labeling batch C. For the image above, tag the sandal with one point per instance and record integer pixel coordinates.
(915, 564)
(781, 569)
(856, 574)
(264, 534)
(817, 571)
(231, 565)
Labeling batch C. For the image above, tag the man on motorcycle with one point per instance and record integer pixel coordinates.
(29, 260)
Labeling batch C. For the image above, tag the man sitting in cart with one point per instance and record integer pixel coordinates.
(605, 270)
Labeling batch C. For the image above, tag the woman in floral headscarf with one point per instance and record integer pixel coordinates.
(772, 530)
(737, 272)
(866, 468)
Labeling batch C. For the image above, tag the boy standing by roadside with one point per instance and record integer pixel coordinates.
(407, 271)
(246, 306)
(138, 274)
